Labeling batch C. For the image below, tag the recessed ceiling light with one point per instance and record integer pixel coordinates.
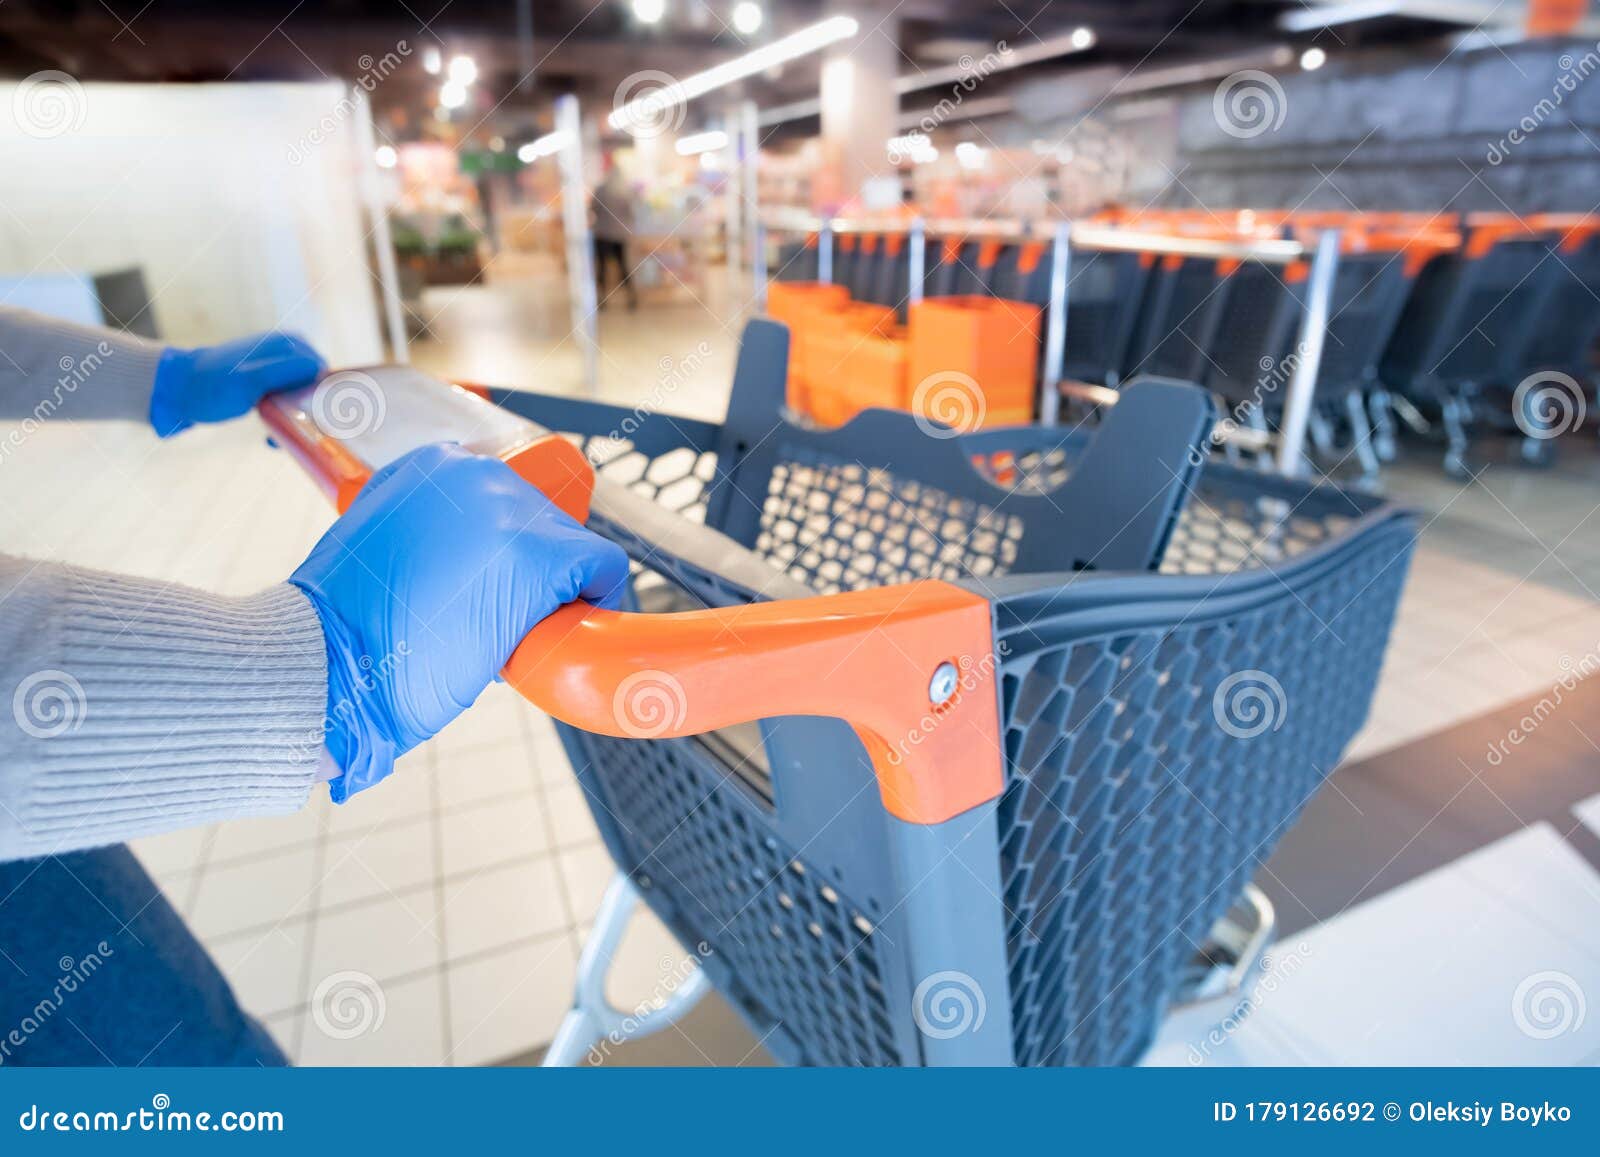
(747, 17)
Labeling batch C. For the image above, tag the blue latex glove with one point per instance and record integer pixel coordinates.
(215, 383)
(425, 586)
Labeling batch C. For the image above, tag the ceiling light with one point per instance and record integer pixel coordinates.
(697, 143)
(914, 147)
(463, 70)
(648, 108)
(1082, 38)
(545, 146)
(1312, 59)
(431, 61)
(649, 11)
(970, 155)
(386, 157)
(452, 95)
(747, 17)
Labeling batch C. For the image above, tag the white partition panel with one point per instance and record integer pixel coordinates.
(240, 202)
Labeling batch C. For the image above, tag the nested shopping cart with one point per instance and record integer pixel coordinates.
(933, 748)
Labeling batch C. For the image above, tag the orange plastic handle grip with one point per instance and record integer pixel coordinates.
(910, 667)
(874, 658)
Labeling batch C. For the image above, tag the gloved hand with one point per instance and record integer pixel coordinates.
(215, 383)
(425, 586)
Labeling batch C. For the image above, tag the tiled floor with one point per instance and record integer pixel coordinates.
(462, 886)
(1466, 965)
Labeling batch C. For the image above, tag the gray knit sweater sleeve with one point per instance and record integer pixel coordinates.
(130, 707)
(55, 369)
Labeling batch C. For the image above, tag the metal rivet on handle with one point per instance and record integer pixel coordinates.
(943, 684)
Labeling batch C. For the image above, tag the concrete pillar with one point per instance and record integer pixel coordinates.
(859, 108)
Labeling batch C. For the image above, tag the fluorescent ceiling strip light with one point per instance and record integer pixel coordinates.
(647, 109)
(707, 142)
(545, 146)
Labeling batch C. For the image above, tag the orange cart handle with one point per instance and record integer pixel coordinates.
(911, 668)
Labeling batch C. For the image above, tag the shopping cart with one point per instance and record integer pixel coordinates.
(936, 749)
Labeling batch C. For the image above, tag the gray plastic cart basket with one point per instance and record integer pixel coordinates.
(1173, 656)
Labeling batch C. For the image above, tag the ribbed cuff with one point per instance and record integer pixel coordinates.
(56, 369)
(143, 707)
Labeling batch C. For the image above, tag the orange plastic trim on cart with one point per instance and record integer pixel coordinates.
(867, 657)
(1486, 236)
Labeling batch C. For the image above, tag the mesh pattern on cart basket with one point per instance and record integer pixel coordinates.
(1149, 774)
(837, 525)
(1116, 757)
(790, 937)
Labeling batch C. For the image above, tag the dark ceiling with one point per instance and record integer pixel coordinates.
(583, 46)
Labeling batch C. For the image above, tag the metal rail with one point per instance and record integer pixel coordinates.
(1063, 236)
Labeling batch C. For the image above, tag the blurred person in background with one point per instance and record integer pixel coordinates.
(614, 208)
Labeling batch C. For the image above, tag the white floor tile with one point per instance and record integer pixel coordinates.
(502, 906)
(1536, 873)
(393, 858)
(178, 851)
(587, 872)
(385, 938)
(512, 1001)
(477, 774)
(406, 794)
(492, 833)
(1439, 972)
(285, 1029)
(266, 968)
(256, 893)
(570, 818)
(241, 839)
(360, 1022)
